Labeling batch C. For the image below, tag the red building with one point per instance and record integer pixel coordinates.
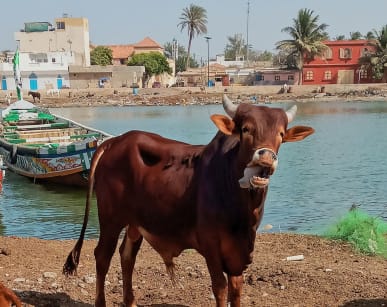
(339, 64)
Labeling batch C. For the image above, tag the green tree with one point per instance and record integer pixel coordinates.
(154, 62)
(181, 59)
(306, 38)
(370, 35)
(101, 55)
(263, 56)
(340, 37)
(194, 18)
(355, 35)
(235, 48)
(377, 60)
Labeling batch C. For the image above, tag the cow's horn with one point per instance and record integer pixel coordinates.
(291, 113)
(228, 106)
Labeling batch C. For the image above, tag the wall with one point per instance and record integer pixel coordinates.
(332, 68)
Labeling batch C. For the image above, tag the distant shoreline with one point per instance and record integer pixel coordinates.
(194, 95)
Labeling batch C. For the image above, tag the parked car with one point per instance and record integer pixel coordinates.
(156, 84)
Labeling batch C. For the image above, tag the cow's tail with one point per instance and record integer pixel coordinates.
(71, 264)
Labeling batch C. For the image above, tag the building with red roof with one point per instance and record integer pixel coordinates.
(122, 53)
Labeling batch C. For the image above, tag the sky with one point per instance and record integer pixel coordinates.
(128, 22)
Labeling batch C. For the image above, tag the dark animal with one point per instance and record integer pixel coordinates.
(34, 95)
(8, 297)
(179, 196)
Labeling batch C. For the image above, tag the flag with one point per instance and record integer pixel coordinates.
(17, 76)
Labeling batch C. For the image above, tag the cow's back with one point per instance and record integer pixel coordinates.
(148, 181)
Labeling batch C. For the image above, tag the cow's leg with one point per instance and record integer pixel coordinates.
(103, 254)
(218, 281)
(235, 284)
(128, 250)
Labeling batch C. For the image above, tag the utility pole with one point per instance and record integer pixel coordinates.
(208, 59)
(175, 55)
(247, 33)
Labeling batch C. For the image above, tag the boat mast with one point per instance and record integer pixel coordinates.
(17, 75)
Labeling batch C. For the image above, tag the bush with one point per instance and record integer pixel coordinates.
(365, 233)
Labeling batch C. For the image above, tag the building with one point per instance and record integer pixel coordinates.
(39, 71)
(68, 35)
(105, 76)
(339, 64)
(46, 52)
(122, 53)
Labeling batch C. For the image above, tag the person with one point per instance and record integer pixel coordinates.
(285, 88)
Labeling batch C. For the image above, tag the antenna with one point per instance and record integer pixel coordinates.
(247, 32)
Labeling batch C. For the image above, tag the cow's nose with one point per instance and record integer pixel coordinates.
(265, 152)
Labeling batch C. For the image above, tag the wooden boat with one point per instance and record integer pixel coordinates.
(45, 147)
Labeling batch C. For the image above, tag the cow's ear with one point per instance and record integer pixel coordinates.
(297, 133)
(224, 123)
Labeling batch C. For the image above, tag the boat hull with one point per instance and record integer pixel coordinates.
(45, 147)
(70, 168)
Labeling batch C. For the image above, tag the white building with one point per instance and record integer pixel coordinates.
(45, 53)
(38, 71)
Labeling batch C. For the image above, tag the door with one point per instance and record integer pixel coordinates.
(345, 77)
(33, 82)
(4, 83)
(59, 82)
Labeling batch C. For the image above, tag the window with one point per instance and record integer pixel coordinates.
(363, 74)
(327, 75)
(259, 77)
(53, 60)
(345, 53)
(60, 25)
(309, 75)
(277, 78)
(327, 54)
(290, 77)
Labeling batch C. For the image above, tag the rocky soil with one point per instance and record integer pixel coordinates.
(177, 96)
(331, 274)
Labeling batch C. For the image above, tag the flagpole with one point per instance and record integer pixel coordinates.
(17, 75)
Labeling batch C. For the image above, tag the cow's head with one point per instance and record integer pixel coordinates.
(260, 131)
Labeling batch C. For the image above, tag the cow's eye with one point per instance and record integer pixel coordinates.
(245, 129)
(282, 134)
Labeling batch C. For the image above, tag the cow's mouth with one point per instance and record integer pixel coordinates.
(256, 177)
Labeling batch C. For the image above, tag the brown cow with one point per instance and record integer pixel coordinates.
(179, 196)
(8, 297)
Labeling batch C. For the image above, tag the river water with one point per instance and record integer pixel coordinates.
(317, 181)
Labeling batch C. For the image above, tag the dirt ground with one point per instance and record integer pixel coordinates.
(331, 274)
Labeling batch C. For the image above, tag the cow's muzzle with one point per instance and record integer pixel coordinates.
(257, 173)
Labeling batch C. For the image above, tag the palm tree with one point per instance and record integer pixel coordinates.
(306, 38)
(235, 48)
(377, 60)
(194, 18)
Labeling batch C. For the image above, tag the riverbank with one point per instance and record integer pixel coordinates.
(196, 95)
(331, 274)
